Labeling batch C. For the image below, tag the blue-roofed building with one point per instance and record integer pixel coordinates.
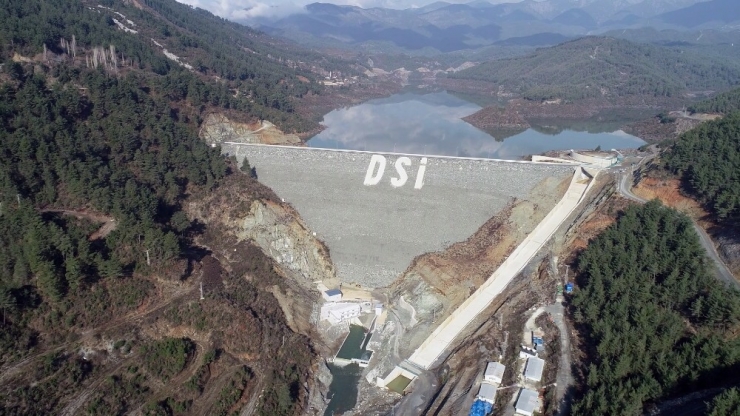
(480, 408)
(332, 295)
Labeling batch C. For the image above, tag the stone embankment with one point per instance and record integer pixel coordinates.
(374, 231)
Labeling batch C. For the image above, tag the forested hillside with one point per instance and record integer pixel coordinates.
(166, 37)
(607, 67)
(707, 159)
(100, 105)
(723, 103)
(116, 150)
(656, 323)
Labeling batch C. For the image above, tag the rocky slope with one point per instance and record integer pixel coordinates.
(247, 210)
(218, 128)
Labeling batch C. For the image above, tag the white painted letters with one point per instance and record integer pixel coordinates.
(376, 169)
(420, 174)
(372, 178)
(402, 176)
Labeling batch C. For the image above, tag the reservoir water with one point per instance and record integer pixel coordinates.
(432, 124)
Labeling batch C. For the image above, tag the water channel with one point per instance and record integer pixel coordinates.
(432, 124)
(343, 389)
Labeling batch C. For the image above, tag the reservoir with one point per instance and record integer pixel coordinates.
(432, 124)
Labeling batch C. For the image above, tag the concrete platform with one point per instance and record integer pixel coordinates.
(375, 225)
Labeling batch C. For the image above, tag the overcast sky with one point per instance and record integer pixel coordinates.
(246, 9)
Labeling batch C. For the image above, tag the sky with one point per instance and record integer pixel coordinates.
(249, 9)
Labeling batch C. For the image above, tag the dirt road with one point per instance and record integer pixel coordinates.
(723, 273)
(564, 378)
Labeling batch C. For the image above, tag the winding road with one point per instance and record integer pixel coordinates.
(722, 272)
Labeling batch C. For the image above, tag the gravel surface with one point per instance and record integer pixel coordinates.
(374, 232)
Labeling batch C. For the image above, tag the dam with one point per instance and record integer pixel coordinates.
(376, 212)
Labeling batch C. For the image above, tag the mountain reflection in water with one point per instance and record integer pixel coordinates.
(432, 124)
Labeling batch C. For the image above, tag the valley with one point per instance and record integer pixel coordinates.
(357, 210)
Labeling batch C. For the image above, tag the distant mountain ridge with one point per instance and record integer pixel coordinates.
(447, 27)
(603, 67)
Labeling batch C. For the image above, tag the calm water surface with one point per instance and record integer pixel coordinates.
(431, 124)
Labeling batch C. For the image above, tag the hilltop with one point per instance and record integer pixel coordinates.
(444, 27)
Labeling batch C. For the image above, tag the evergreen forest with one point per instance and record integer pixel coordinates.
(707, 159)
(724, 103)
(656, 323)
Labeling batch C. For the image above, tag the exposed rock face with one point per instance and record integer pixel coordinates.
(284, 237)
(217, 128)
(273, 226)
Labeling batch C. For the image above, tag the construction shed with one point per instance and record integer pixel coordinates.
(332, 295)
(494, 372)
(527, 403)
(535, 367)
(487, 393)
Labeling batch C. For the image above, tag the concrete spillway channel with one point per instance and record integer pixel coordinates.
(446, 333)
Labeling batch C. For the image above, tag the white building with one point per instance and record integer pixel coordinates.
(339, 312)
(332, 295)
(378, 309)
(527, 403)
(487, 393)
(535, 367)
(494, 372)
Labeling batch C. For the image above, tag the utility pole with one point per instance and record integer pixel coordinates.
(18, 198)
(201, 291)
(147, 258)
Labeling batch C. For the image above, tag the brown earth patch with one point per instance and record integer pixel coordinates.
(669, 192)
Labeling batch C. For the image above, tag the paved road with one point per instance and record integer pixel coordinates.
(722, 272)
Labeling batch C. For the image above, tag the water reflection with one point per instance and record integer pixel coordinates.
(431, 124)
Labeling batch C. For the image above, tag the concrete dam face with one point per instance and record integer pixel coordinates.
(377, 212)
